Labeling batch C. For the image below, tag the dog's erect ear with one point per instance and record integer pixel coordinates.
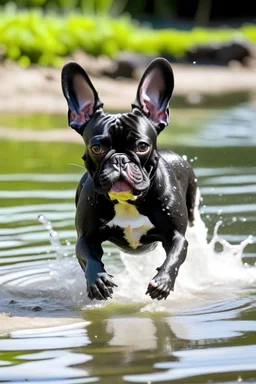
(154, 92)
(81, 96)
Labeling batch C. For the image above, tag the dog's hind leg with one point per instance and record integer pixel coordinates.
(193, 198)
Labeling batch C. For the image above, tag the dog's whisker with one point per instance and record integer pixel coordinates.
(76, 165)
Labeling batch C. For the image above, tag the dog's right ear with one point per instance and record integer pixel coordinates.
(81, 96)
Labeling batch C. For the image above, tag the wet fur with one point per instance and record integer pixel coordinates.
(163, 184)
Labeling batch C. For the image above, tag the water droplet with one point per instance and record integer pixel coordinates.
(250, 239)
(184, 157)
(219, 212)
(194, 62)
(239, 379)
(41, 218)
(54, 234)
(195, 180)
(234, 219)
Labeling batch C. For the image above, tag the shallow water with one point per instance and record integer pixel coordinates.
(204, 332)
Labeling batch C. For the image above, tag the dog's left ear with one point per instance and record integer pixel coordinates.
(81, 96)
(154, 92)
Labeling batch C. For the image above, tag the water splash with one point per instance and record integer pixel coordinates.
(54, 237)
(206, 273)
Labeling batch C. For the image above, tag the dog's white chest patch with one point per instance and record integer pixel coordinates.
(133, 223)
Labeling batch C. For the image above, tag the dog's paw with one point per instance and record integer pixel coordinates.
(102, 288)
(160, 287)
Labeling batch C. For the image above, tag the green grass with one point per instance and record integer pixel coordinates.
(36, 121)
(46, 38)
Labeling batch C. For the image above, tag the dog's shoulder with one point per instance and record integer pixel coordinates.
(178, 167)
(172, 158)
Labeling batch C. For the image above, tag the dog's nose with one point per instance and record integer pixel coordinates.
(120, 160)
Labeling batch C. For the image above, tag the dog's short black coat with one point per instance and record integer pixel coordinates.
(132, 194)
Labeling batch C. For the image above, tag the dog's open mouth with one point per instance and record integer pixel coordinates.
(121, 191)
(121, 186)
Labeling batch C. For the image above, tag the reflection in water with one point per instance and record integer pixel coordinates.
(233, 127)
(109, 343)
(53, 346)
(191, 364)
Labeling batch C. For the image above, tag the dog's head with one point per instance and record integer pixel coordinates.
(121, 152)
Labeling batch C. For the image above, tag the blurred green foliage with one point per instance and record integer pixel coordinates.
(99, 6)
(33, 36)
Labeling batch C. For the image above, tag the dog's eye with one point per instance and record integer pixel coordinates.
(97, 149)
(142, 147)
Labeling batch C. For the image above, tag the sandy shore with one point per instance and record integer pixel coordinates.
(9, 324)
(38, 89)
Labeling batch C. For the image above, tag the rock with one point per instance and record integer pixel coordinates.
(128, 64)
(94, 66)
(125, 64)
(221, 53)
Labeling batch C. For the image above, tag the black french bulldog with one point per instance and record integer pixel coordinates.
(132, 194)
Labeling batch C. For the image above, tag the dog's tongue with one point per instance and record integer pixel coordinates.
(121, 186)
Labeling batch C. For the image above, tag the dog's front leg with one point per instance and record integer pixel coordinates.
(163, 282)
(99, 282)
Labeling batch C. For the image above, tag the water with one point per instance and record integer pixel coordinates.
(204, 332)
